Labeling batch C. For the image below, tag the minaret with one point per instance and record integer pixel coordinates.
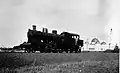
(110, 38)
(87, 44)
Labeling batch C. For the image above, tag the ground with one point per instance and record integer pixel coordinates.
(89, 62)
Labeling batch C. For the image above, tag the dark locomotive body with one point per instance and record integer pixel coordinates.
(51, 42)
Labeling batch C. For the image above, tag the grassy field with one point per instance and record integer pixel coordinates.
(90, 62)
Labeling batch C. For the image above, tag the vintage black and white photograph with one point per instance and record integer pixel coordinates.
(59, 36)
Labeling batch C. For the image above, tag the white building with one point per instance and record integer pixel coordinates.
(95, 45)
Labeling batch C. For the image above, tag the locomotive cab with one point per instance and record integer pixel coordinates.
(76, 37)
(72, 41)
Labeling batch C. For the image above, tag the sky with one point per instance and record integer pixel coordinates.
(88, 18)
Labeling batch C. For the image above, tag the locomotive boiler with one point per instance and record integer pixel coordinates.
(51, 42)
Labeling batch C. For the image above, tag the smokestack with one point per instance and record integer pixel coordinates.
(34, 27)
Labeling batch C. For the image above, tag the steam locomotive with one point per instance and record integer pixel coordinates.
(51, 42)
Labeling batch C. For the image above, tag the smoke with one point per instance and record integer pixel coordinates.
(114, 22)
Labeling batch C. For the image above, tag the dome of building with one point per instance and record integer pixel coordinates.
(103, 43)
(95, 41)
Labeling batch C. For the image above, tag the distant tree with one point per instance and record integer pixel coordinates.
(116, 49)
